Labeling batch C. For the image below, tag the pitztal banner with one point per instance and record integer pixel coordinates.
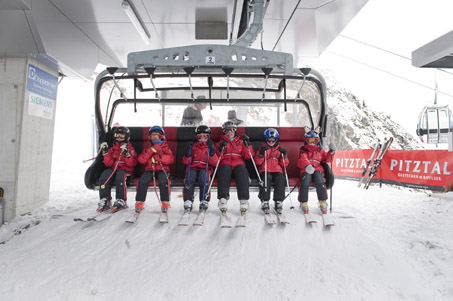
(426, 169)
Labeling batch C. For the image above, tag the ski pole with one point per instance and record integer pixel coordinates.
(188, 168)
(215, 171)
(154, 181)
(331, 187)
(287, 184)
(265, 173)
(87, 160)
(99, 151)
(256, 169)
(165, 172)
(206, 176)
(114, 170)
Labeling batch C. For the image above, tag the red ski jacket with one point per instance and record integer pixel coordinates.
(235, 152)
(273, 157)
(161, 154)
(113, 155)
(313, 155)
(198, 157)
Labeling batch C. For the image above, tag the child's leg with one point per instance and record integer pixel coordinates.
(120, 184)
(163, 187)
(203, 184)
(189, 187)
(303, 188)
(223, 182)
(105, 192)
(241, 176)
(142, 187)
(278, 180)
(321, 191)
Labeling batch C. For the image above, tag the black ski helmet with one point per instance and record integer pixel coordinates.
(123, 130)
(203, 129)
(229, 125)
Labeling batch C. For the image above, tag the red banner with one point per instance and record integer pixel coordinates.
(429, 169)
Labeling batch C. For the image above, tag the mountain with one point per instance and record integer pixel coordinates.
(353, 125)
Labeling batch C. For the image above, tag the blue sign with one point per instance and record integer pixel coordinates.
(41, 82)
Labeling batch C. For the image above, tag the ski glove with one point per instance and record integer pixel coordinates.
(246, 140)
(310, 169)
(125, 150)
(282, 150)
(222, 145)
(332, 148)
(211, 146)
(263, 149)
(104, 148)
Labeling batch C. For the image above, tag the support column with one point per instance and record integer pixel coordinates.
(28, 86)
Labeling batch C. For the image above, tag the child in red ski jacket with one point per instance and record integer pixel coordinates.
(270, 159)
(156, 159)
(232, 151)
(120, 159)
(200, 159)
(310, 158)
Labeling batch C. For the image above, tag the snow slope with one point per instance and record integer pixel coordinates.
(387, 244)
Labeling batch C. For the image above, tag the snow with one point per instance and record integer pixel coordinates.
(388, 244)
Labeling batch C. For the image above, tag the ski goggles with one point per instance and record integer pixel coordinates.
(312, 140)
(203, 136)
(271, 140)
(120, 135)
(155, 135)
(229, 130)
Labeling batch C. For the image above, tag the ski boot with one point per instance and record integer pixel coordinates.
(119, 205)
(164, 206)
(278, 207)
(188, 206)
(304, 207)
(223, 204)
(265, 207)
(204, 206)
(139, 206)
(323, 207)
(104, 204)
(244, 206)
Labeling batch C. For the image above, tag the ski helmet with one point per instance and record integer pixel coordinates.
(312, 134)
(156, 129)
(271, 133)
(229, 125)
(203, 129)
(122, 130)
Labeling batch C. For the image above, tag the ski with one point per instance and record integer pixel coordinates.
(241, 221)
(377, 162)
(184, 221)
(200, 218)
(281, 218)
(133, 218)
(163, 219)
(269, 219)
(309, 219)
(224, 220)
(97, 217)
(368, 163)
(327, 220)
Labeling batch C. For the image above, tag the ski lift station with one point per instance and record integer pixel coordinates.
(163, 56)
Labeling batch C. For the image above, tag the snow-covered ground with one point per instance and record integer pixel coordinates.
(388, 244)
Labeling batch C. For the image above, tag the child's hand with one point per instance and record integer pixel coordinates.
(263, 149)
(310, 169)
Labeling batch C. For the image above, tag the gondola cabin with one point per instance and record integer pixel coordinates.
(434, 124)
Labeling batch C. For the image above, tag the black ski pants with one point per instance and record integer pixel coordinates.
(224, 176)
(200, 178)
(318, 179)
(144, 181)
(276, 180)
(119, 178)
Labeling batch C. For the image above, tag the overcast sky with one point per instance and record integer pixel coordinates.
(387, 81)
